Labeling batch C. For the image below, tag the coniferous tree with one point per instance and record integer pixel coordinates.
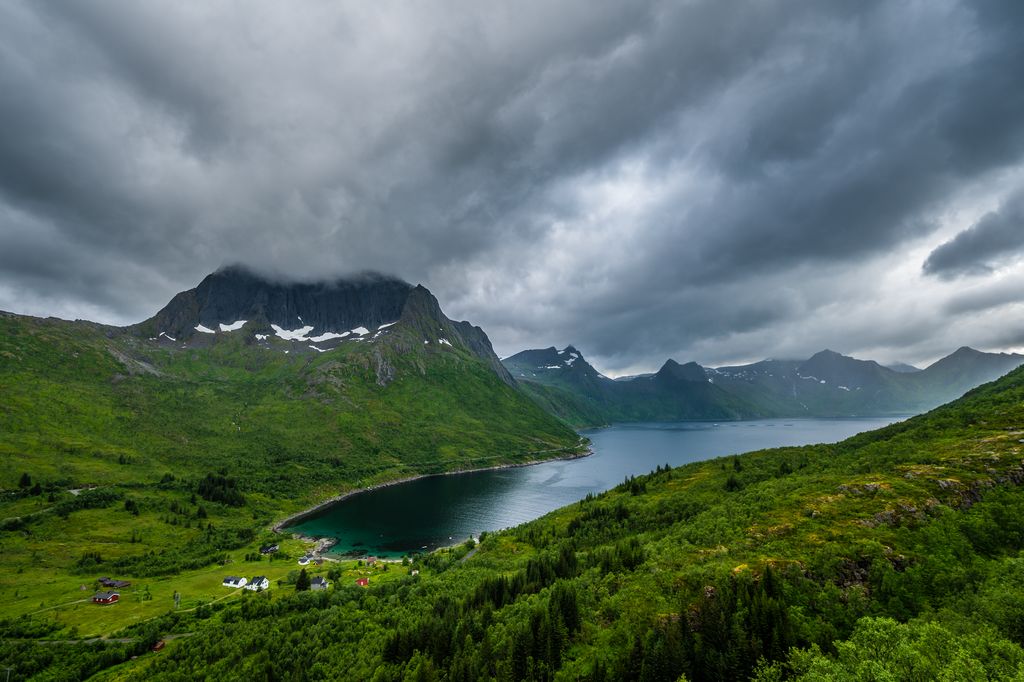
(302, 583)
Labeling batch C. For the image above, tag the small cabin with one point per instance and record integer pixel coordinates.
(258, 584)
(105, 597)
(363, 582)
(269, 549)
(114, 584)
(234, 581)
(319, 583)
(158, 645)
(304, 560)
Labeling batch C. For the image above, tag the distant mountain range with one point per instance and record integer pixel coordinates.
(826, 385)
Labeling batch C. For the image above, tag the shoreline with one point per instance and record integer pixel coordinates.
(282, 525)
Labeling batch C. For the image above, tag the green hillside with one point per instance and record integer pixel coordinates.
(893, 555)
(127, 456)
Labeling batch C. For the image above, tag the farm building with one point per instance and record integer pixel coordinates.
(115, 584)
(258, 583)
(319, 583)
(269, 549)
(105, 597)
(234, 581)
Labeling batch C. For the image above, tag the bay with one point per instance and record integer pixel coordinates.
(430, 512)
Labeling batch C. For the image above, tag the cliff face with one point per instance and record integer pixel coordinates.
(233, 294)
(317, 316)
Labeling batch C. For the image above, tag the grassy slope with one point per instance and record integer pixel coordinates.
(145, 421)
(699, 570)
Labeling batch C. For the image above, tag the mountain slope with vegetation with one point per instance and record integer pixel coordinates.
(896, 553)
(132, 454)
(566, 385)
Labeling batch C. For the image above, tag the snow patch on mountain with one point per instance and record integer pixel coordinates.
(292, 334)
(327, 336)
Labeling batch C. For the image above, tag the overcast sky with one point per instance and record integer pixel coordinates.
(710, 181)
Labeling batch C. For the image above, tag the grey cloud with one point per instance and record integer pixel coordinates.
(642, 179)
(995, 239)
(986, 296)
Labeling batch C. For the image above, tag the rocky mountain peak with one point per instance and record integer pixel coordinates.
(317, 315)
(672, 370)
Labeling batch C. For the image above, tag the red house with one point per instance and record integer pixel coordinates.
(105, 597)
(362, 582)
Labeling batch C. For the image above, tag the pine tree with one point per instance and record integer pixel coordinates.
(302, 584)
(25, 481)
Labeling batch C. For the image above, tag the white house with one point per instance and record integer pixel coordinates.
(303, 560)
(258, 583)
(234, 581)
(319, 583)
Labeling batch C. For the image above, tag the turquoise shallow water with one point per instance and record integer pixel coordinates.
(430, 512)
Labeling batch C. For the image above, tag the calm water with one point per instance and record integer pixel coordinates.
(431, 512)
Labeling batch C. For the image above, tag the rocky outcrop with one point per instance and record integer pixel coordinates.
(394, 315)
(235, 293)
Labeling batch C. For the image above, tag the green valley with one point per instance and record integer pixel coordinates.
(818, 562)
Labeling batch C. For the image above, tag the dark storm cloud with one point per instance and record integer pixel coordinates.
(705, 180)
(995, 239)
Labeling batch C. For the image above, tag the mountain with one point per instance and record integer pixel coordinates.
(565, 384)
(314, 316)
(553, 366)
(237, 298)
(674, 373)
(964, 369)
(828, 384)
(177, 427)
